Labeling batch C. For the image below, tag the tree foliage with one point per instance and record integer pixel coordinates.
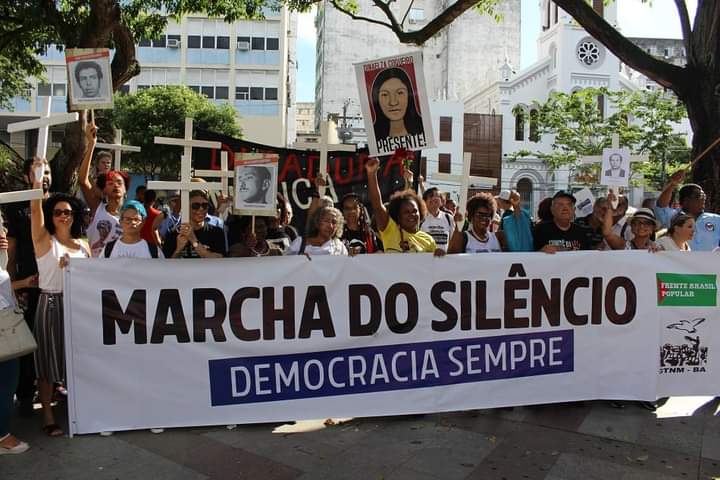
(161, 111)
(642, 119)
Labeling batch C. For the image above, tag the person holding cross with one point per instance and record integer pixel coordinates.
(399, 223)
(104, 204)
(198, 238)
(56, 229)
(692, 202)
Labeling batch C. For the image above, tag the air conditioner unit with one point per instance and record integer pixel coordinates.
(173, 43)
(243, 45)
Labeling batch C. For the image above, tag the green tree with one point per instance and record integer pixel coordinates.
(642, 119)
(161, 112)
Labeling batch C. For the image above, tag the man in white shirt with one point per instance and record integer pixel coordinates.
(437, 223)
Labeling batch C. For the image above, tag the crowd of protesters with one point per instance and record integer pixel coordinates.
(43, 235)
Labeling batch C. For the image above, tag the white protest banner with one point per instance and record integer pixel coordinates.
(89, 77)
(394, 104)
(178, 343)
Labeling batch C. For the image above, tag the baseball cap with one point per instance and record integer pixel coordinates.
(566, 194)
(504, 195)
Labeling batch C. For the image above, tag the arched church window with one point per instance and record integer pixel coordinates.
(534, 136)
(601, 106)
(525, 189)
(519, 113)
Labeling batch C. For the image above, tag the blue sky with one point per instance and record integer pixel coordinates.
(636, 19)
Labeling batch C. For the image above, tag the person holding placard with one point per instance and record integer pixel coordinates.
(56, 231)
(198, 238)
(104, 204)
(643, 224)
(399, 223)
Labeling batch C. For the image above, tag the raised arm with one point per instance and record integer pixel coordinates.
(616, 242)
(40, 235)
(93, 195)
(676, 179)
(379, 210)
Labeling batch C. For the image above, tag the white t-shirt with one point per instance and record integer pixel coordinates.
(131, 250)
(440, 228)
(668, 244)
(474, 245)
(103, 228)
(334, 246)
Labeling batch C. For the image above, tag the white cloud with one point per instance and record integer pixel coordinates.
(656, 20)
(306, 27)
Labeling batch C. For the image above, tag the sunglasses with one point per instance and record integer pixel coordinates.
(59, 212)
(199, 205)
(644, 223)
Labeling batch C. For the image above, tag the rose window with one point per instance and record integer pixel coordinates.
(588, 53)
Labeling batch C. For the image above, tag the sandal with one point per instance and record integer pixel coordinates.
(53, 430)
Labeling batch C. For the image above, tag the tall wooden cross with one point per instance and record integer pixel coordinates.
(43, 124)
(185, 185)
(328, 142)
(117, 148)
(12, 197)
(465, 181)
(223, 174)
(590, 159)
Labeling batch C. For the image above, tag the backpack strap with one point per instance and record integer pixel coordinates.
(466, 235)
(109, 248)
(451, 222)
(302, 246)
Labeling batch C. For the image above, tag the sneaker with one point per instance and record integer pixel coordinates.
(157, 430)
(19, 448)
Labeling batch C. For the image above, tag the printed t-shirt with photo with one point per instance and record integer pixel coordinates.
(440, 228)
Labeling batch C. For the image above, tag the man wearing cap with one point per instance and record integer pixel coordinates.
(692, 202)
(561, 234)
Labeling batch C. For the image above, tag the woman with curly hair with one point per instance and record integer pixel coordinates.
(56, 228)
(322, 237)
(399, 223)
(478, 238)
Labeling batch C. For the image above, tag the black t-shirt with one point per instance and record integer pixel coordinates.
(595, 235)
(17, 221)
(212, 237)
(574, 238)
(361, 239)
(281, 237)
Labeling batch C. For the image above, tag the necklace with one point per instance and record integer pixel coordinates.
(261, 253)
(480, 239)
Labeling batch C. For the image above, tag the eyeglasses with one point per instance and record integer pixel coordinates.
(59, 212)
(644, 223)
(199, 205)
(485, 216)
(131, 220)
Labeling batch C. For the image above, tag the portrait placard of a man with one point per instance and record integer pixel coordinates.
(255, 183)
(615, 167)
(89, 78)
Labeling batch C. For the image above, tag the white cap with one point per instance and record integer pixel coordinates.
(504, 195)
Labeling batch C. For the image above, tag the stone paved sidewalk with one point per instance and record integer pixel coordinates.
(589, 440)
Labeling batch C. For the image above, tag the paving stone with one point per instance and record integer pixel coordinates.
(573, 466)
(617, 423)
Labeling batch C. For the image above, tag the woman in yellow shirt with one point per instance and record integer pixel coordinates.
(399, 223)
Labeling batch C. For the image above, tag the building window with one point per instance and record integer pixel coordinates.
(416, 15)
(223, 43)
(525, 188)
(242, 93)
(222, 93)
(144, 42)
(124, 89)
(159, 42)
(256, 93)
(446, 129)
(272, 44)
(546, 23)
(59, 90)
(599, 7)
(209, 92)
(194, 88)
(44, 90)
(533, 135)
(519, 125)
(258, 43)
(142, 87)
(557, 15)
(271, 94)
(193, 41)
(208, 42)
(601, 106)
(444, 162)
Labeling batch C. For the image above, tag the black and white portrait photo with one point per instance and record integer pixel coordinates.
(615, 167)
(90, 78)
(256, 184)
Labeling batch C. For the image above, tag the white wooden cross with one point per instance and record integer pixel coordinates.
(223, 174)
(117, 148)
(12, 197)
(43, 125)
(465, 181)
(185, 185)
(590, 159)
(327, 143)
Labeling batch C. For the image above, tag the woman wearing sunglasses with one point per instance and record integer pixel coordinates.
(56, 228)
(643, 225)
(196, 239)
(478, 238)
